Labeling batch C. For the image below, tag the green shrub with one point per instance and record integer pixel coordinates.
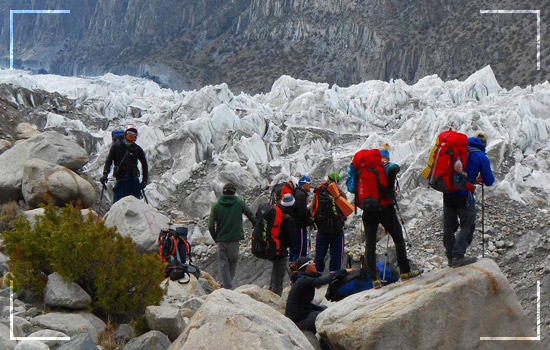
(121, 281)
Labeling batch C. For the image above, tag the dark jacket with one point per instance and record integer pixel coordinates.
(478, 163)
(226, 222)
(287, 231)
(298, 304)
(125, 157)
(302, 216)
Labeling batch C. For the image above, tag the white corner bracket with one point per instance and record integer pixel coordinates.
(26, 338)
(26, 11)
(537, 338)
(537, 12)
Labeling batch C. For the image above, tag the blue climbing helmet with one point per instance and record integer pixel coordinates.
(304, 180)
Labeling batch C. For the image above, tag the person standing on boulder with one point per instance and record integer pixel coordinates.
(287, 234)
(125, 156)
(299, 306)
(460, 205)
(302, 218)
(225, 225)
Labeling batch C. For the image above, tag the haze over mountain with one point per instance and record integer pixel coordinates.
(248, 44)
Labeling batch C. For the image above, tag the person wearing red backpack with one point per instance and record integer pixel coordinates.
(459, 206)
(302, 218)
(225, 225)
(375, 191)
(330, 226)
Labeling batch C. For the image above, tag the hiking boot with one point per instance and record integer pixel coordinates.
(376, 284)
(450, 262)
(463, 260)
(411, 274)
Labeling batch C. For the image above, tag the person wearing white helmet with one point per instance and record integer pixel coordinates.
(125, 156)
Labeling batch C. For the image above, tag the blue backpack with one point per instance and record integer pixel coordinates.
(356, 282)
(351, 180)
(117, 135)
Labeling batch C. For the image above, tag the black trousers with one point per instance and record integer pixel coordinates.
(388, 218)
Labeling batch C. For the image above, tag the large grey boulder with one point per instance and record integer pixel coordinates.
(264, 296)
(177, 294)
(49, 146)
(62, 293)
(48, 333)
(137, 220)
(231, 320)
(448, 309)
(5, 342)
(165, 319)
(124, 333)
(70, 324)
(31, 345)
(43, 182)
(81, 341)
(153, 340)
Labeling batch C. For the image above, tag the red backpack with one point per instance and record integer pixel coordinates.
(265, 236)
(450, 146)
(372, 182)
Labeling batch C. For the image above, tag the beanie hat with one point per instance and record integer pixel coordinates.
(482, 136)
(334, 177)
(302, 263)
(304, 180)
(288, 200)
(385, 151)
(229, 188)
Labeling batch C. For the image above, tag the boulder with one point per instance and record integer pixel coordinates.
(81, 341)
(231, 320)
(70, 324)
(193, 304)
(44, 182)
(97, 322)
(62, 293)
(199, 237)
(25, 131)
(49, 146)
(153, 340)
(177, 293)
(208, 282)
(450, 308)
(4, 145)
(31, 345)
(264, 296)
(5, 342)
(137, 220)
(48, 333)
(124, 333)
(165, 319)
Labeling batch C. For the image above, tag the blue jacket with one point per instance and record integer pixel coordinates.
(477, 163)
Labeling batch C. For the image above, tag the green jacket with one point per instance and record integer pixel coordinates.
(226, 222)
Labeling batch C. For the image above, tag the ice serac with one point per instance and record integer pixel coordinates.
(448, 309)
(231, 320)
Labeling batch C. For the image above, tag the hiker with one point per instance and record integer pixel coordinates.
(286, 237)
(330, 226)
(125, 155)
(299, 306)
(302, 218)
(280, 189)
(225, 225)
(460, 205)
(376, 193)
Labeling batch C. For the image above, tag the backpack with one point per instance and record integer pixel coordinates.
(372, 184)
(450, 145)
(357, 281)
(174, 250)
(265, 236)
(280, 189)
(351, 180)
(117, 135)
(327, 216)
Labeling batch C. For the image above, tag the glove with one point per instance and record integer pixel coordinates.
(142, 185)
(103, 180)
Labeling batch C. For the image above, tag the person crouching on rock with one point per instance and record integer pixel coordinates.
(125, 155)
(299, 306)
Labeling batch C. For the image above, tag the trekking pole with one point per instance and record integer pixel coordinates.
(402, 222)
(100, 199)
(386, 257)
(482, 221)
(144, 196)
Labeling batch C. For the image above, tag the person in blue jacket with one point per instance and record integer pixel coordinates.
(459, 208)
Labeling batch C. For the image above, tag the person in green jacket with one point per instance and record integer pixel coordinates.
(226, 228)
